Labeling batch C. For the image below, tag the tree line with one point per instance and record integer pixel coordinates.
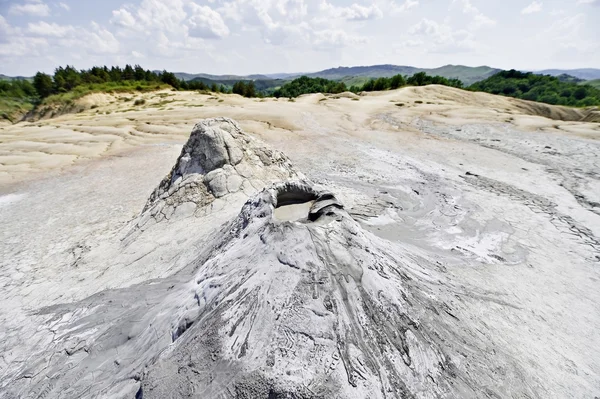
(542, 88)
(511, 83)
(397, 81)
(306, 85)
(67, 78)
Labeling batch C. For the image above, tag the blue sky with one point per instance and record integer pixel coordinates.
(268, 36)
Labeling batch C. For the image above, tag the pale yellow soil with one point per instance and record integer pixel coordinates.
(115, 124)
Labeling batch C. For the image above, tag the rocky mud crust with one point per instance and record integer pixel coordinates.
(393, 258)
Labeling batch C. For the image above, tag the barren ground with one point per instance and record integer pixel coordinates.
(508, 201)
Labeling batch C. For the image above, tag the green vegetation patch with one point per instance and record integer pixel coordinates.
(108, 87)
(542, 88)
(594, 83)
(306, 85)
(17, 97)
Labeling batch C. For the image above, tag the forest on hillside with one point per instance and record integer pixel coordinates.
(542, 88)
(306, 85)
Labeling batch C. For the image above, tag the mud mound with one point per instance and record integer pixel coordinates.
(313, 308)
(555, 112)
(481, 99)
(218, 159)
(346, 94)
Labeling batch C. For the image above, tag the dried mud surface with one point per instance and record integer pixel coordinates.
(451, 249)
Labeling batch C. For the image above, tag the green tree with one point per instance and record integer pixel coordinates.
(170, 79)
(128, 73)
(397, 81)
(580, 93)
(418, 79)
(59, 84)
(43, 84)
(381, 84)
(369, 85)
(250, 90)
(116, 74)
(239, 88)
(139, 73)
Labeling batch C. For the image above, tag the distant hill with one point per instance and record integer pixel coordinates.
(360, 74)
(262, 85)
(568, 78)
(584, 73)
(285, 75)
(594, 83)
(192, 76)
(468, 75)
(374, 71)
(4, 77)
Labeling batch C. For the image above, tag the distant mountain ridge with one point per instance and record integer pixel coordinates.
(582, 73)
(192, 76)
(4, 77)
(466, 74)
(359, 74)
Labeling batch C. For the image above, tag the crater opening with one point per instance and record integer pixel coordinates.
(293, 203)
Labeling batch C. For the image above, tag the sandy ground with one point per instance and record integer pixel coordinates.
(116, 124)
(508, 200)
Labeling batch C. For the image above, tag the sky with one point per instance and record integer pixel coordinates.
(273, 36)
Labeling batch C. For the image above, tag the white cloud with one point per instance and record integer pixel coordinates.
(425, 27)
(38, 9)
(534, 7)
(64, 6)
(4, 26)
(291, 9)
(122, 18)
(407, 5)
(231, 10)
(20, 46)
(467, 7)
(440, 37)
(331, 39)
(99, 40)
(479, 19)
(207, 23)
(354, 12)
(49, 29)
(590, 2)
(161, 15)
(568, 33)
(137, 54)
